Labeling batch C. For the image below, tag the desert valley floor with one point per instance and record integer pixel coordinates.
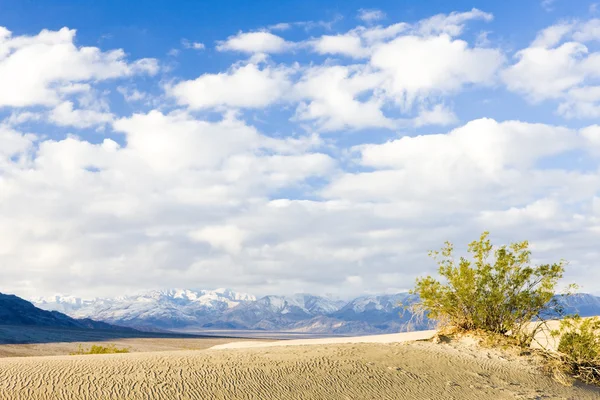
(176, 369)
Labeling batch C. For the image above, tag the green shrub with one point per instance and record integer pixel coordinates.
(95, 349)
(495, 290)
(579, 348)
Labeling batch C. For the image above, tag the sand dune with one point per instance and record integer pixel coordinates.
(410, 370)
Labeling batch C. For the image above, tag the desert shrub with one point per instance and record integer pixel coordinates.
(95, 349)
(579, 348)
(494, 290)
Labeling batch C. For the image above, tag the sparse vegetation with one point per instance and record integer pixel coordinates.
(497, 294)
(96, 349)
(496, 291)
(579, 348)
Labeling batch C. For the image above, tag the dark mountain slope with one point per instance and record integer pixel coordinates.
(16, 311)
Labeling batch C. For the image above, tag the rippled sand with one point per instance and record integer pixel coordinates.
(412, 370)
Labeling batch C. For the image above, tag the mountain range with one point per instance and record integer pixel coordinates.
(224, 309)
(18, 312)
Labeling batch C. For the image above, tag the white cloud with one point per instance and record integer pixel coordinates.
(245, 86)
(539, 212)
(348, 45)
(331, 94)
(581, 102)
(192, 192)
(132, 94)
(173, 142)
(543, 73)
(437, 115)
(227, 237)
(255, 42)
(399, 65)
(379, 33)
(548, 5)
(559, 66)
(13, 143)
(64, 115)
(416, 67)
(370, 15)
(592, 135)
(17, 118)
(588, 31)
(192, 45)
(479, 157)
(179, 181)
(482, 39)
(552, 35)
(451, 24)
(132, 199)
(404, 64)
(282, 26)
(23, 83)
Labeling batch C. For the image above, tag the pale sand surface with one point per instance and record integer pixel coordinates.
(20, 341)
(408, 370)
(389, 338)
(134, 345)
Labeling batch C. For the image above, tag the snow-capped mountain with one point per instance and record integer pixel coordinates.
(63, 304)
(172, 308)
(277, 312)
(227, 309)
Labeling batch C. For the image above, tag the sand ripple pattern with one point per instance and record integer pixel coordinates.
(350, 371)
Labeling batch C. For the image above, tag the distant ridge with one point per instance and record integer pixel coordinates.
(225, 309)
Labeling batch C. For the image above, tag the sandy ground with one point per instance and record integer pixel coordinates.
(23, 341)
(134, 345)
(390, 338)
(408, 370)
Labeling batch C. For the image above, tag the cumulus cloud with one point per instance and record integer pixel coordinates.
(347, 44)
(331, 93)
(479, 156)
(559, 66)
(403, 64)
(132, 94)
(245, 176)
(24, 83)
(416, 67)
(210, 169)
(255, 42)
(400, 65)
(437, 115)
(13, 143)
(229, 238)
(484, 144)
(64, 115)
(190, 200)
(245, 86)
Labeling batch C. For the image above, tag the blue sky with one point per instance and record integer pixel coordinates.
(278, 147)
